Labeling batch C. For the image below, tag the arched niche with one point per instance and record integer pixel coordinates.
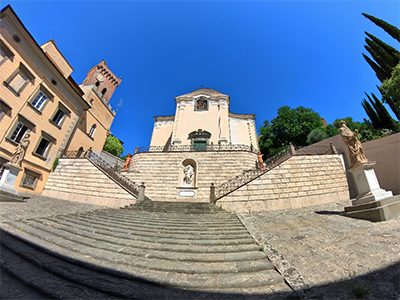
(188, 173)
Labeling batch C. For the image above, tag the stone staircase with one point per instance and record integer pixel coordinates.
(150, 250)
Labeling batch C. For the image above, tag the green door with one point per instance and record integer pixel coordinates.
(199, 145)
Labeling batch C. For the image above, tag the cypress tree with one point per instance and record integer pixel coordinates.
(378, 70)
(391, 104)
(381, 62)
(389, 49)
(376, 123)
(393, 31)
(386, 120)
(385, 56)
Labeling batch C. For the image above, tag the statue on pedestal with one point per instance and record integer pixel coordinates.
(188, 178)
(20, 150)
(356, 151)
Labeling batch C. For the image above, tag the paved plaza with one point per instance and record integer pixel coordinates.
(321, 254)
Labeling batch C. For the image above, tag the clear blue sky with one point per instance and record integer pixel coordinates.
(264, 54)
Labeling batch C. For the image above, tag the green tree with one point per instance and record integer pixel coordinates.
(290, 125)
(379, 72)
(315, 136)
(389, 49)
(390, 90)
(393, 31)
(113, 145)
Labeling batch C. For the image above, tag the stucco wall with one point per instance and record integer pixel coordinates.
(384, 151)
(298, 182)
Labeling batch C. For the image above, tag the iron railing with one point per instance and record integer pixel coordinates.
(211, 147)
(249, 175)
(113, 172)
(270, 163)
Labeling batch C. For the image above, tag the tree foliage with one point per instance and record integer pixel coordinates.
(113, 145)
(316, 135)
(290, 125)
(384, 63)
(393, 31)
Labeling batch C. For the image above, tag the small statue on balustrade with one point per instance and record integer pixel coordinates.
(127, 162)
(260, 160)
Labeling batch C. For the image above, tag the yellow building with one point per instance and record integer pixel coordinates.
(203, 119)
(94, 124)
(38, 95)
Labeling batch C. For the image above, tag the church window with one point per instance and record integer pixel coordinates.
(104, 91)
(201, 104)
(97, 83)
(92, 130)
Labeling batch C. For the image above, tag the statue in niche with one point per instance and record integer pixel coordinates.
(127, 162)
(201, 104)
(356, 151)
(20, 151)
(188, 175)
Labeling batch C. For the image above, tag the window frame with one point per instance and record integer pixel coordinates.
(61, 107)
(45, 93)
(19, 120)
(21, 70)
(32, 173)
(92, 131)
(7, 53)
(5, 109)
(50, 141)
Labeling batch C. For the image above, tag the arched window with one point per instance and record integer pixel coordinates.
(91, 132)
(104, 91)
(97, 83)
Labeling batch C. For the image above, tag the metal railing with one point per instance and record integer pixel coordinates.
(111, 171)
(247, 176)
(182, 148)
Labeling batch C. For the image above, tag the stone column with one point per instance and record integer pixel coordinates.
(212, 192)
(141, 192)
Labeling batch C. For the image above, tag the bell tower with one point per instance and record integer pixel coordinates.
(104, 80)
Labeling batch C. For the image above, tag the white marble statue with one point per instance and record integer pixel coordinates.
(189, 174)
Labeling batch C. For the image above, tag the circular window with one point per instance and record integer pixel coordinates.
(54, 82)
(16, 38)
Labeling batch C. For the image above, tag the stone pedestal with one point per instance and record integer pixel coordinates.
(8, 178)
(372, 203)
(367, 185)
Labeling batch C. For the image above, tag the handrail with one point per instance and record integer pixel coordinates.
(210, 147)
(113, 173)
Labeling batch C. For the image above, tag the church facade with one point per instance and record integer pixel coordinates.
(203, 120)
(202, 144)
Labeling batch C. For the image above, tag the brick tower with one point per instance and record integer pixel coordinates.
(104, 80)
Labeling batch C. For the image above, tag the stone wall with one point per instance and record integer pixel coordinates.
(298, 182)
(79, 180)
(162, 172)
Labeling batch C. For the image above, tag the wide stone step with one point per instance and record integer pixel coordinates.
(171, 278)
(162, 223)
(138, 232)
(127, 249)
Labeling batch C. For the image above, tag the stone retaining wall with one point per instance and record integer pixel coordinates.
(298, 182)
(79, 180)
(162, 172)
